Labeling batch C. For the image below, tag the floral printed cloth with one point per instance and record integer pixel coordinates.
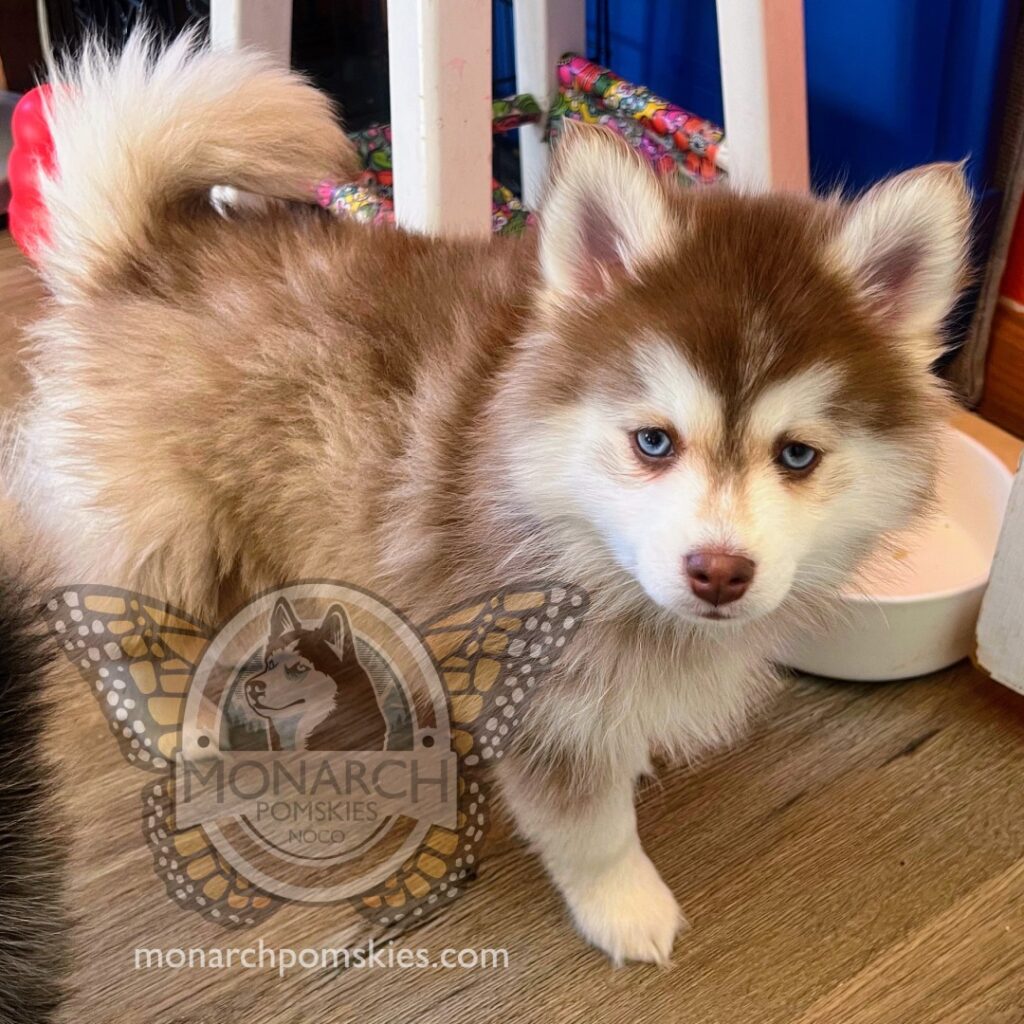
(672, 139)
(371, 197)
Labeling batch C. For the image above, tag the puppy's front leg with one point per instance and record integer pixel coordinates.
(592, 851)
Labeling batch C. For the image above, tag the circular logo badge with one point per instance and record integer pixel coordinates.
(316, 745)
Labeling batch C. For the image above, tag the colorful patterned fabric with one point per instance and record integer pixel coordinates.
(371, 198)
(671, 138)
(515, 111)
(366, 201)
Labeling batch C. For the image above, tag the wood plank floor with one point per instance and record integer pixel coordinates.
(859, 859)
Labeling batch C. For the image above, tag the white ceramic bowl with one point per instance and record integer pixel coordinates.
(923, 617)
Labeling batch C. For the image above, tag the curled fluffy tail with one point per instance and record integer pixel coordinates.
(32, 925)
(140, 131)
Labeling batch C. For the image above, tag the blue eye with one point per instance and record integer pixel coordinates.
(798, 458)
(653, 442)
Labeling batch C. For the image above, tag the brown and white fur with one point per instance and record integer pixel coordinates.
(433, 418)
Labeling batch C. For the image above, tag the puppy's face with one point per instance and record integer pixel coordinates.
(731, 394)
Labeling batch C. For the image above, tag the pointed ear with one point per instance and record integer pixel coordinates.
(283, 619)
(904, 244)
(605, 214)
(335, 628)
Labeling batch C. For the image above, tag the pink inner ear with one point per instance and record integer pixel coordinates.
(889, 275)
(600, 260)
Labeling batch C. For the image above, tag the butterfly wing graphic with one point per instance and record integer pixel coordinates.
(138, 654)
(491, 653)
(194, 874)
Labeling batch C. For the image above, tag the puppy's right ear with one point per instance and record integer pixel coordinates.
(605, 215)
(283, 619)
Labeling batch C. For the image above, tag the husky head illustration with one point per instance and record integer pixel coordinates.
(313, 691)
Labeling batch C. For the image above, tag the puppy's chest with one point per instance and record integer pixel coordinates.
(679, 699)
(685, 702)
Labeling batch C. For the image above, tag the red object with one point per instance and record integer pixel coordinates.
(33, 148)
(1013, 277)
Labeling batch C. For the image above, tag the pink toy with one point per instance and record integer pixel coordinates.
(33, 148)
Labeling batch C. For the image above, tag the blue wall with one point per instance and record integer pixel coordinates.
(891, 83)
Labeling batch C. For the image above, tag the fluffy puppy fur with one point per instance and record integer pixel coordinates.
(33, 929)
(223, 404)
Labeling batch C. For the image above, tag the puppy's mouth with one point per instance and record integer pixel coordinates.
(713, 618)
(260, 706)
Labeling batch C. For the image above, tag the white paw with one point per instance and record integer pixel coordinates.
(627, 911)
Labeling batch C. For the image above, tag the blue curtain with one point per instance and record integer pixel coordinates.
(891, 83)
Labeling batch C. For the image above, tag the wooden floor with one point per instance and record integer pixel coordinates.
(858, 860)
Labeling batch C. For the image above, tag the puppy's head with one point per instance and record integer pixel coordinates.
(730, 395)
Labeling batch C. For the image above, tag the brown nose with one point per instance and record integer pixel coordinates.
(719, 577)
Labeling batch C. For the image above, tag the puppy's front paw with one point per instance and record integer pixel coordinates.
(627, 911)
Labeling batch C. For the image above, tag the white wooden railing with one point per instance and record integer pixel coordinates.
(440, 73)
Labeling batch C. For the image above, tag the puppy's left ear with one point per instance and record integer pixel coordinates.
(335, 628)
(604, 216)
(904, 244)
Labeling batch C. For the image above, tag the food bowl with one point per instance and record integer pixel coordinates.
(914, 607)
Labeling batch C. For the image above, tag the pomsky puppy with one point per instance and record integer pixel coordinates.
(703, 407)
